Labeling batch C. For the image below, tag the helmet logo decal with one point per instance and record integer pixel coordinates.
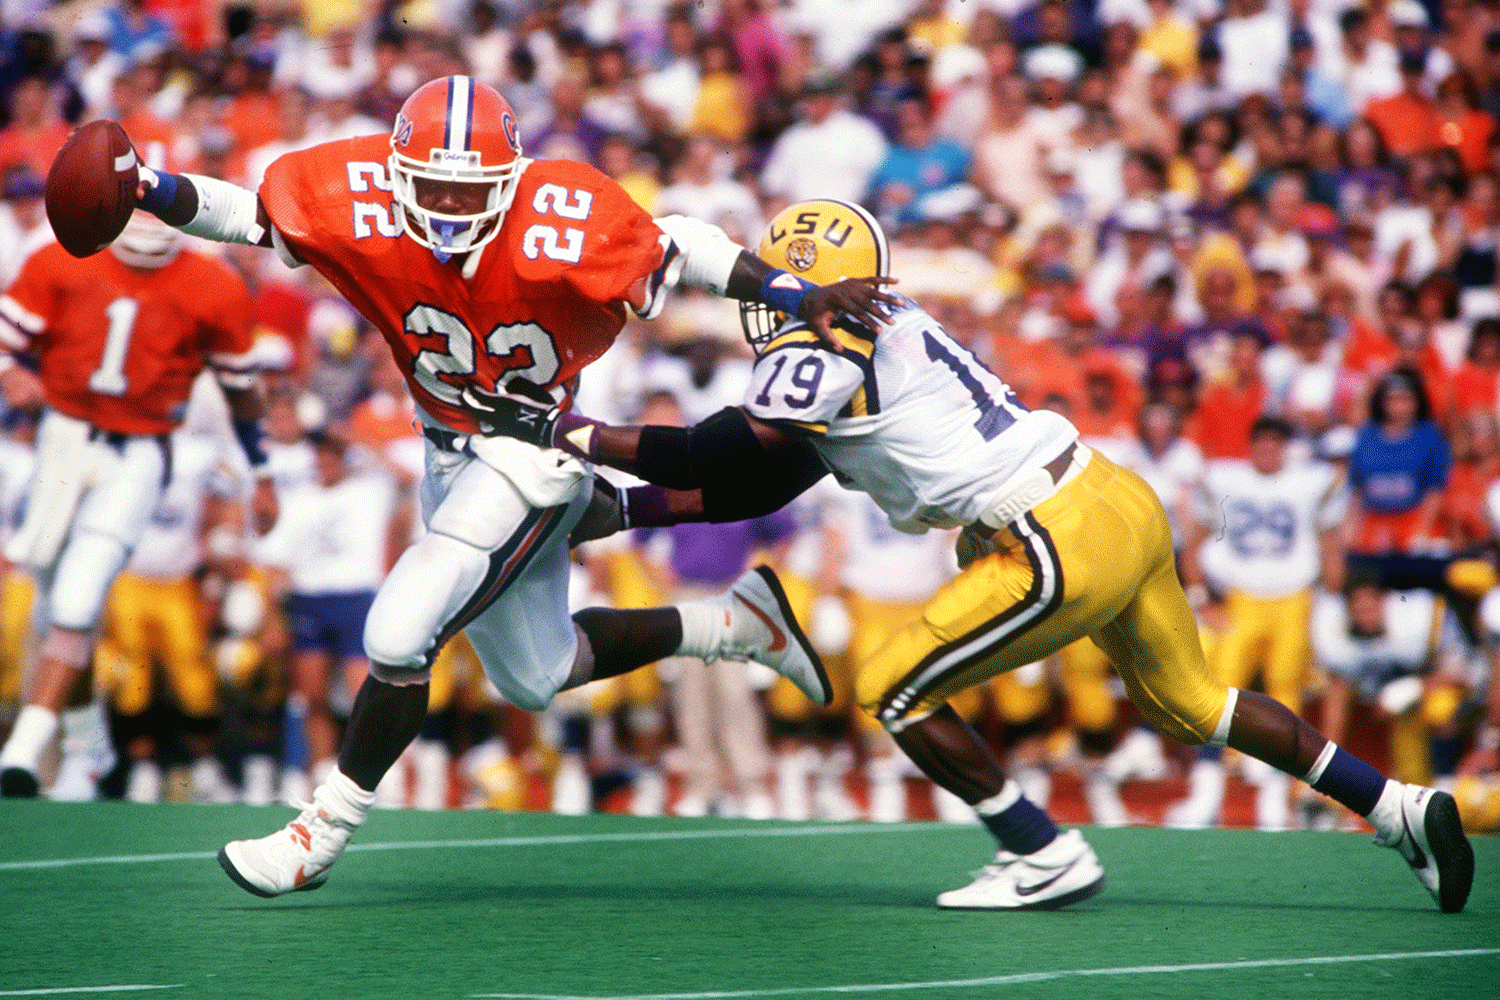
(802, 254)
(401, 136)
(449, 159)
(508, 124)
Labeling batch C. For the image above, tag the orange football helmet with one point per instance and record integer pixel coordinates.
(455, 162)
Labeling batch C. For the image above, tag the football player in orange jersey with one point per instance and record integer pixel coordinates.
(117, 340)
(492, 272)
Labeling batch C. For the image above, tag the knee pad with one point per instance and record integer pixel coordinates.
(429, 587)
(88, 566)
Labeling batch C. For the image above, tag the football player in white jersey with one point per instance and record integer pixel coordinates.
(155, 617)
(1265, 531)
(1058, 543)
(1401, 655)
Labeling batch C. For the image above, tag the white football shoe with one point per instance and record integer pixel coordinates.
(1065, 871)
(765, 630)
(79, 773)
(295, 858)
(1432, 841)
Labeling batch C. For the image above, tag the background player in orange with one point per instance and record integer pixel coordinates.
(117, 340)
(486, 270)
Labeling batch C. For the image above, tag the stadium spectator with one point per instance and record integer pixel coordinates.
(703, 187)
(671, 86)
(1229, 404)
(1397, 471)
(916, 166)
(329, 551)
(23, 222)
(1476, 466)
(723, 107)
(93, 65)
(831, 153)
(134, 28)
(35, 132)
(1008, 151)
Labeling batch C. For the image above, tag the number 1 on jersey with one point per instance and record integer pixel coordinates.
(109, 378)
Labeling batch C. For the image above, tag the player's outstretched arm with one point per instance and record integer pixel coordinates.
(712, 262)
(743, 467)
(205, 206)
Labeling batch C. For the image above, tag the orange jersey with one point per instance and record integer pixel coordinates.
(119, 347)
(547, 295)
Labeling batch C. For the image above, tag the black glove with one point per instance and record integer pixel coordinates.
(501, 415)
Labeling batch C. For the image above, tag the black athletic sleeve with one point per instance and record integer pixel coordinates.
(740, 478)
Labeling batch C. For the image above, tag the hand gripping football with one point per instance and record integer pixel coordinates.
(91, 187)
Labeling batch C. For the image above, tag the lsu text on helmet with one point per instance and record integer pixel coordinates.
(455, 163)
(821, 240)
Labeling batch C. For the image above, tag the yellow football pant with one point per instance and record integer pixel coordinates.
(156, 622)
(1269, 635)
(17, 591)
(1411, 733)
(1094, 560)
(1083, 676)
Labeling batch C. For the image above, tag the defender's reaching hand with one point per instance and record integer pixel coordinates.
(862, 299)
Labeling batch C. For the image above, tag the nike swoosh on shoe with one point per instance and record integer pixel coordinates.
(778, 637)
(1418, 859)
(1036, 887)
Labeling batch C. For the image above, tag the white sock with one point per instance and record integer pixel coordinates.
(704, 626)
(344, 799)
(34, 729)
(86, 730)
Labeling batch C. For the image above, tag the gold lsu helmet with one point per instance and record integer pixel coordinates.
(821, 240)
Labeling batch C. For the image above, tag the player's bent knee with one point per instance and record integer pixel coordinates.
(87, 568)
(428, 587)
(1194, 732)
(67, 645)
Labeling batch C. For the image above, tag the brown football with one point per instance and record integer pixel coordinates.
(91, 187)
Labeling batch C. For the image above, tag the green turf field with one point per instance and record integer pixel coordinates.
(127, 900)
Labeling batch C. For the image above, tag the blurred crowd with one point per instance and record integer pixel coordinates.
(1170, 221)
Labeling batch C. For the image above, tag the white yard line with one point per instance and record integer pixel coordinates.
(59, 991)
(1020, 977)
(641, 837)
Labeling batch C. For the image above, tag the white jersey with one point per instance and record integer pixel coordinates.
(910, 417)
(1172, 475)
(1263, 530)
(1415, 626)
(171, 548)
(332, 540)
(883, 564)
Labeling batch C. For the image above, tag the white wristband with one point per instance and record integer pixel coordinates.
(226, 212)
(709, 255)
